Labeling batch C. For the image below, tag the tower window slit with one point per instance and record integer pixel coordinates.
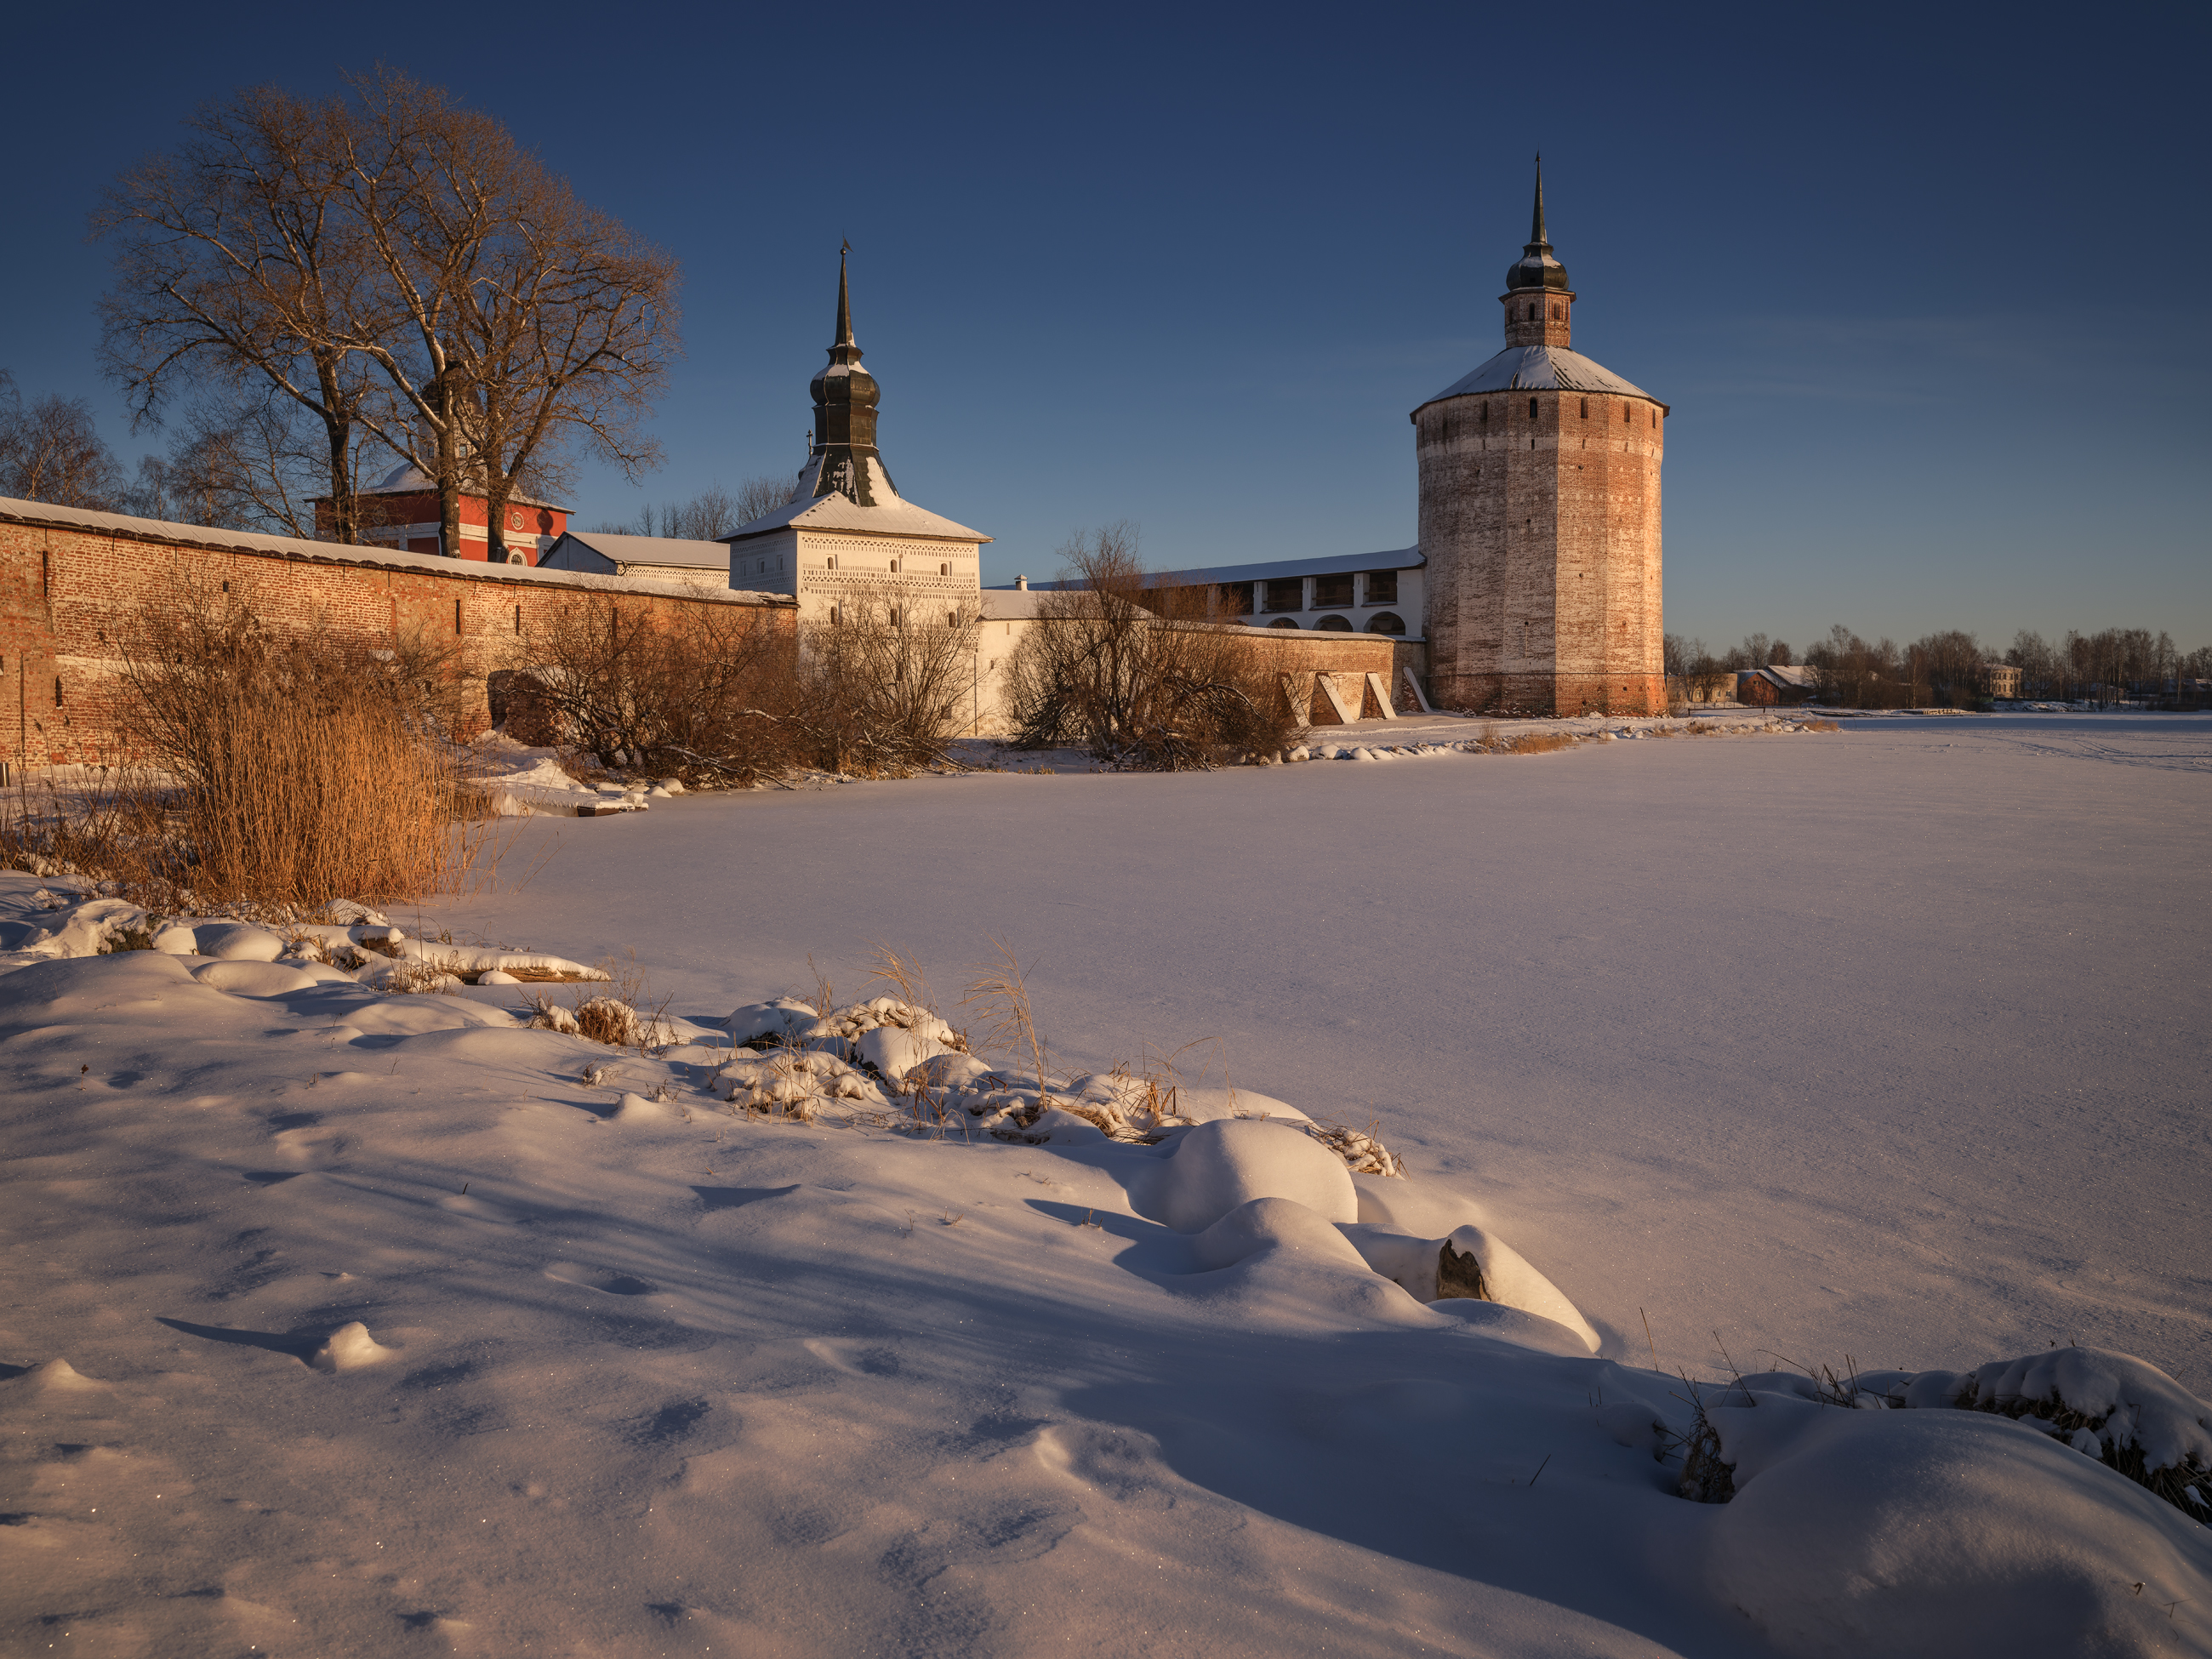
(1532, 408)
(1586, 408)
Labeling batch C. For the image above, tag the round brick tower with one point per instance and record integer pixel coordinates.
(1540, 518)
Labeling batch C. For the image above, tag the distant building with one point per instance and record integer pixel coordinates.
(1334, 593)
(1771, 687)
(402, 511)
(2004, 679)
(661, 558)
(1539, 518)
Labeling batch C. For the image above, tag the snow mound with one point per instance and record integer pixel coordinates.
(237, 941)
(891, 1035)
(349, 1348)
(58, 1374)
(782, 1019)
(249, 978)
(1470, 1263)
(1217, 1167)
(636, 1108)
(100, 990)
(1938, 1534)
(1414, 1206)
(796, 1083)
(1511, 1280)
(90, 928)
(2132, 1403)
(1272, 1224)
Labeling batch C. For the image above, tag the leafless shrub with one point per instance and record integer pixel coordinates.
(1144, 672)
(121, 829)
(882, 686)
(705, 693)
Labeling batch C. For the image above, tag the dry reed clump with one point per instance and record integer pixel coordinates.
(1490, 741)
(305, 773)
(1821, 726)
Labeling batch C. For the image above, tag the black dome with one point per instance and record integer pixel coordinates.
(1536, 268)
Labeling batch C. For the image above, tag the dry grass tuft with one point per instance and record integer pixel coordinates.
(1001, 993)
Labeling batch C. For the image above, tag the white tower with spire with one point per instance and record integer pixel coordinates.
(847, 536)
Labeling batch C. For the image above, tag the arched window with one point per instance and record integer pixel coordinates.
(1332, 625)
(1386, 622)
(895, 566)
(1625, 417)
(1284, 622)
(831, 563)
(943, 569)
(1558, 314)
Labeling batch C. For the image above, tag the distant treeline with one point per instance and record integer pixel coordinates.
(1953, 669)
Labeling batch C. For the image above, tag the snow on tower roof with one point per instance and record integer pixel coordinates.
(888, 514)
(1541, 369)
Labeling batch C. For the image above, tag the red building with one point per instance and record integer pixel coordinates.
(401, 512)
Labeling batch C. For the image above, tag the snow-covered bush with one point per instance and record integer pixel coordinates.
(2121, 1411)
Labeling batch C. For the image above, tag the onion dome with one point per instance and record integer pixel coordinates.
(1536, 268)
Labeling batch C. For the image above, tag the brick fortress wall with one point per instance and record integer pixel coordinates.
(73, 585)
(1542, 532)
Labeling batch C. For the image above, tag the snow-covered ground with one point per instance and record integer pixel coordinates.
(1881, 1047)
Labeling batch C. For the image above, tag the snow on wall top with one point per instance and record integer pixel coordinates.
(249, 541)
(1541, 369)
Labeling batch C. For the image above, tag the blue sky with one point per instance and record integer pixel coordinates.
(1925, 289)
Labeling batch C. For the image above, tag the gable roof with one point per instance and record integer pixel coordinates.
(648, 550)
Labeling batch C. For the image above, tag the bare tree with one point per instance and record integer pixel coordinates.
(533, 322)
(52, 452)
(239, 265)
(1143, 672)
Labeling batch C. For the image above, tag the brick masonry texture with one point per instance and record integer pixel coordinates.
(72, 593)
(1539, 517)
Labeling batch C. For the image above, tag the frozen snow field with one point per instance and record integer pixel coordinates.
(1884, 1046)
